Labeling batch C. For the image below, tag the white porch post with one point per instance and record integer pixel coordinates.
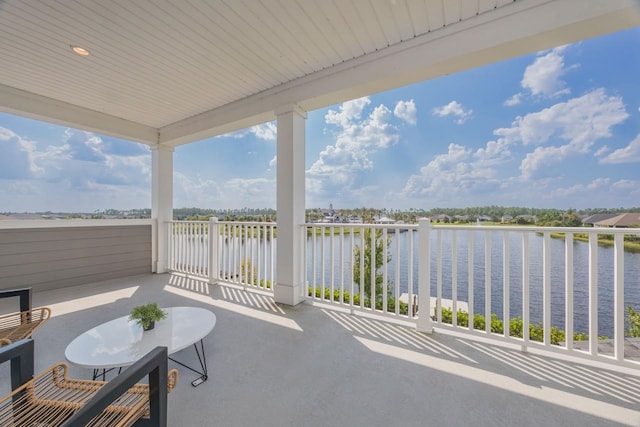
(161, 201)
(290, 204)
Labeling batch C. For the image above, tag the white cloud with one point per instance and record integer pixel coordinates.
(514, 100)
(266, 131)
(254, 191)
(273, 162)
(82, 161)
(601, 151)
(626, 185)
(543, 77)
(580, 122)
(453, 173)
(584, 120)
(455, 109)
(406, 110)
(18, 160)
(581, 189)
(341, 166)
(628, 154)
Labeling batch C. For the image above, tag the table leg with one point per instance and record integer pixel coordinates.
(103, 374)
(203, 365)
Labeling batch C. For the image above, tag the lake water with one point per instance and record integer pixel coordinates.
(557, 247)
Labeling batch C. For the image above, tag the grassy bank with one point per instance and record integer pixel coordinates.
(603, 239)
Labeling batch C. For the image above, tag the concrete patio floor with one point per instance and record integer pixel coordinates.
(272, 365)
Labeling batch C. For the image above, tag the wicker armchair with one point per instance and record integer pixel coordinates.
(21, 324)
(53, 399)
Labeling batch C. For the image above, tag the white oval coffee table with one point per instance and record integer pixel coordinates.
(121, 342)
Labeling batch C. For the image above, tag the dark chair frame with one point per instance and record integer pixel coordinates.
(154, 365)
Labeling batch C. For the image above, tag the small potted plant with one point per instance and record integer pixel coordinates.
(147, 315)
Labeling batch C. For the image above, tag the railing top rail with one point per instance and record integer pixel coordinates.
(224, 222)
(359, 225)
(588, 230)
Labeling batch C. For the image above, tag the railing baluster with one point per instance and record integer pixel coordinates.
(332, 255)
(409, 276)
(546, 287)
(525, 290)
(341, 265)
(385, 271)
(362, 273)
(314, 259)
(593, 294)
(506, 287)
(259, 244)
(568, 272)
(487, 281)
(439, 276)
(618, 297)
(352, 256)
(323, 283)
(454, 278)
(273, 255)
(471, 286)
(372, 278)
(397, 275)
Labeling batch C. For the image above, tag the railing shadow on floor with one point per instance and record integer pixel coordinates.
(566, 375)
(237, 294)
(533, 370)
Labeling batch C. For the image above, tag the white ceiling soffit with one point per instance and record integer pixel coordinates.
(176, 71)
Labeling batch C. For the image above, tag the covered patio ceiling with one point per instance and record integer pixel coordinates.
(171, 72)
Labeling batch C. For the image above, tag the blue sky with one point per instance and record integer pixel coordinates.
(556, 129)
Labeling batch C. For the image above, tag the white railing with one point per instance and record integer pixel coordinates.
(555, 292)
(236, 252)
(558, 289)
(334, 264)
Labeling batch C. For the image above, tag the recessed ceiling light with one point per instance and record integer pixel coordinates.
(80, 50)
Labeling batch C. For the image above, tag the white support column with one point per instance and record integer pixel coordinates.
(161, 201)
(290, 287)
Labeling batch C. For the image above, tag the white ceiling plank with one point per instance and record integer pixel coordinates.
(419, 16)
(451, 11)
(327, 30)
(435, 10)
(379, 38)
(469, 8)
(487, 5)
(360, 31)
(402, 19)
(384, 15)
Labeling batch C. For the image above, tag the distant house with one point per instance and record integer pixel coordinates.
(624, 220)
(506, 218)
(385, 220)
(593, 219)
(355, 220)
(484, 218)
(440, 218)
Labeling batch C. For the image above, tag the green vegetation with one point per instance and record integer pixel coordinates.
(147, 315)
(633, 323)
(403, 307)
(631, 243)
(536, 331)
(364, 249)
(249, 275)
